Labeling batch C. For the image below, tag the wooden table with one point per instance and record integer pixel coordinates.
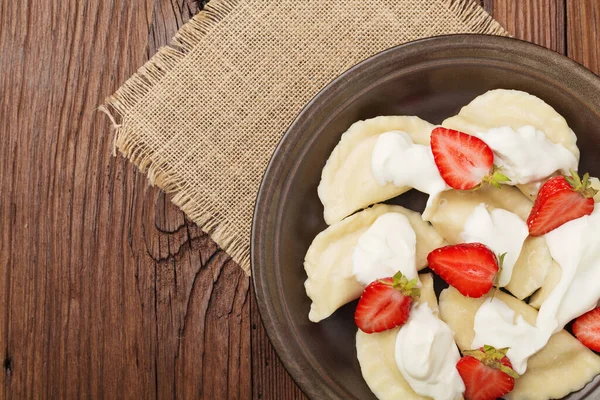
(106, 289)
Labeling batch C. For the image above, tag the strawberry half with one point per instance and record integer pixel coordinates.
(464, 161)
(560, 200)
(487, 373)
(386, 303)
(470, 267)
(587, 329)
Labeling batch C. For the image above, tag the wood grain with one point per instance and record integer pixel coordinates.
(538, 21)
(106, 289)
(583, 28)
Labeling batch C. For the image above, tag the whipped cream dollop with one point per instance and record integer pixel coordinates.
(527, 155)
(575, 246)
(501, 231)
(397, 159)
(388, 246)
(426, 355)
(496, 325)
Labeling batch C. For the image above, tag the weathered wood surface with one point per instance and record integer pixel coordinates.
(132, 299)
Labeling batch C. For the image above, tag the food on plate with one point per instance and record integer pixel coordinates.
(515, 109)
(464, 161)
(385, 303)
(564, 365)
(470, 267)
(487, 373)
(506, 209)
(328, 263)
(492, 213)
(377, 355)
(347, 184)
(559, 200)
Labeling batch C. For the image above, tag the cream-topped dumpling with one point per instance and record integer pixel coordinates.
(497, 325)
(376, 353)
(502, 231)
(329, 264)
(397, 159)
(576, 248)
(426, 355)
(562, 366)
(347, 183)
(388, 246)
(526, 155)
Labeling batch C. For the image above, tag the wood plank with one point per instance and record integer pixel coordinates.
(270, 379)
(107, 290)
(583, 33)
(538, 21)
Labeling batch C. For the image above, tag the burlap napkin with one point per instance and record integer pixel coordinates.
(204, 115)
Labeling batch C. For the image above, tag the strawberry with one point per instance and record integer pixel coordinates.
(386, 303)
(470, 267)
(464, 161)
(587, 329)
(487, 373)
(560, 200)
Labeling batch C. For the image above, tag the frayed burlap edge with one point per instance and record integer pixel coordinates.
(131, 146)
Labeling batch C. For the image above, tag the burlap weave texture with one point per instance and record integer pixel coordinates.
(204, 115)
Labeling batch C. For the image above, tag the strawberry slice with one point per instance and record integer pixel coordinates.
(587, 329)
(386, 303)
(470, 267)
(487, 373)
(464, 161)
(560, 200)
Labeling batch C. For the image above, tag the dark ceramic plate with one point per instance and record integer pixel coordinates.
(430, 78)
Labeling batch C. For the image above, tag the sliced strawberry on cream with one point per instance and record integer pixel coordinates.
(560, 200)
(386, 303)
(464, 161)
(469, 267)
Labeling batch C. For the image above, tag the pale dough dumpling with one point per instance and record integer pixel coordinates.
(376, 355)
(328, 261)
(550, 282)
(502, 107)
(453, 207)
(347, 183)
(562, 367)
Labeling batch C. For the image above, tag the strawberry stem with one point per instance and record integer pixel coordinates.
(495, 177)
(581, 186)
(492, 357)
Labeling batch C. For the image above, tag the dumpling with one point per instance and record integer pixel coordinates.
(514, 108)
(550, 282)
(328, 261)
(452, 208)
(502, 107)
(555, 271)
(347, 184)
(563, 366)
(376, 355)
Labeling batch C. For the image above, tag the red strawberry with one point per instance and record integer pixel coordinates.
(560, 200)
(464, 161)
(587, 329)
(487, 373)
(469, 267)
(385, 303)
